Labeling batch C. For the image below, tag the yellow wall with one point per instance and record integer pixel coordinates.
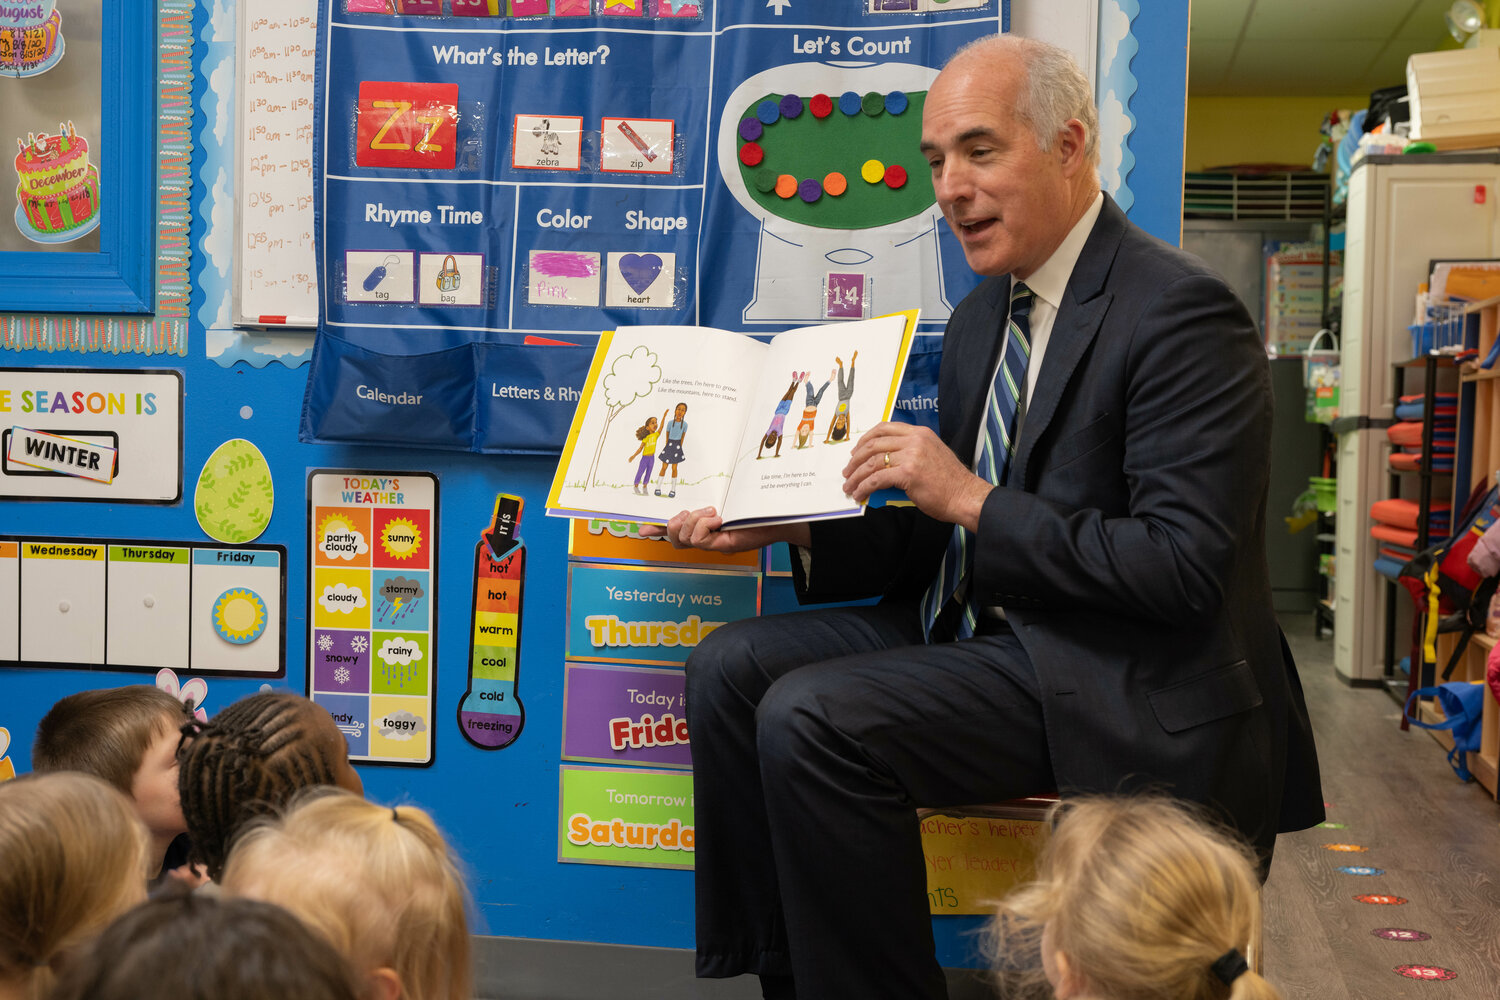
(1222, 130)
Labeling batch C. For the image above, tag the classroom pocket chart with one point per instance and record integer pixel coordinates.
(142, 605)
(555, 170)
(372, 562)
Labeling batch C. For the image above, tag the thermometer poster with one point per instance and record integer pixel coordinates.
(373, 572)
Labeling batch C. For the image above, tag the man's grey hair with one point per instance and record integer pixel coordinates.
(1055, 89)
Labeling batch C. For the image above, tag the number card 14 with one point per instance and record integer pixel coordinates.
(407, 125)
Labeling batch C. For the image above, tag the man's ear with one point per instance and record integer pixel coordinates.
(382, 984)
(1070, 146)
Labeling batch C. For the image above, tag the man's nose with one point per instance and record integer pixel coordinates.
(952, 183)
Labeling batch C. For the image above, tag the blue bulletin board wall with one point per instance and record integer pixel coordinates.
(501, 807)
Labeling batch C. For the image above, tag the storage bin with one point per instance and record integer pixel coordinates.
(1325, 493)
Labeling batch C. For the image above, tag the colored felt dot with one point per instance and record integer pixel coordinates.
(872, 171)
(786, 185)
(895, 176)
(765, 181)
(751, 129)
(767, 111)
(821, 105)
(849, 102)
(751, 154)
(810, 190)
(791, 106)
(835, 184)
(896, 102)
(872, 103)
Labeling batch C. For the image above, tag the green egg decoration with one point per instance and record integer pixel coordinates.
(235, 493)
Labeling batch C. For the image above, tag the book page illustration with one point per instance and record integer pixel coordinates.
(822, 388)
(657, 428)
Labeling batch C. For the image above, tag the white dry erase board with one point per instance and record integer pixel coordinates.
(275, 272)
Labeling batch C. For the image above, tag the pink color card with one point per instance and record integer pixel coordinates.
(368, 7)
(677, 8)
(420, 8)
(528, 8)
(572, 8)
(474, 8)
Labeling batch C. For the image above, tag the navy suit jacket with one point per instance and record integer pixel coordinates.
(1128, 546)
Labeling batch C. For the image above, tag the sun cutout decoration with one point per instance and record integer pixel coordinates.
(400, 538)
(239, 616)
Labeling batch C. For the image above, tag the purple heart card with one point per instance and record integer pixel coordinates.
(639, 270)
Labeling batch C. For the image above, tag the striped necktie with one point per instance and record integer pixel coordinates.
(999, 445)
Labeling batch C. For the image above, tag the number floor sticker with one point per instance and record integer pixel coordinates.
(1432, 972)
(373, 568)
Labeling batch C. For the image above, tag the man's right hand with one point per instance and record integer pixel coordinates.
(701, 529)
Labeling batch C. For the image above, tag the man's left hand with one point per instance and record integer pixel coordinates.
(915, 460)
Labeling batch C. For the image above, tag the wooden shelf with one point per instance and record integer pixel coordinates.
(1471, 374)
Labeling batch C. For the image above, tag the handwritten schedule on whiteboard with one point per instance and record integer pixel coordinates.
(276, 279)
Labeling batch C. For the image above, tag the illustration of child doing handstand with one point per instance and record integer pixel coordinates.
(646, 434)
(838, 428)
(671, 452)
(778, 419)
(810, 411)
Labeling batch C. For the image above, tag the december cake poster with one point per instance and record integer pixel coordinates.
(51, 58)
(57, 194)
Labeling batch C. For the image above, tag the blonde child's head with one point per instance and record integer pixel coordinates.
(380, 883)
(1135, 898)
(72, 857)
(127, 736)
(249, 760)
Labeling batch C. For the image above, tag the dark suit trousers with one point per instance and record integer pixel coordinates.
(815, 737)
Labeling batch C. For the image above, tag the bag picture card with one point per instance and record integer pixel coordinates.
(686, 417)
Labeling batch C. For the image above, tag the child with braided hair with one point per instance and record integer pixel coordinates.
(379, 883)
(248, 760)
(1136, 899)
(72, 858)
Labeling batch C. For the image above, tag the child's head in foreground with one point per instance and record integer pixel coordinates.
(192, 946)
(1135, 898)
(127, 736)
(72, 857)
(378, 882)
(251, 758)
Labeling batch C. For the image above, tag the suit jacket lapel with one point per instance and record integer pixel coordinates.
(1084, 305)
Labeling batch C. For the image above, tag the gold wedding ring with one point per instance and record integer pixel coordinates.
(887, 460)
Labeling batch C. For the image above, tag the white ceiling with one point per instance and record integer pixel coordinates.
(1291, 48)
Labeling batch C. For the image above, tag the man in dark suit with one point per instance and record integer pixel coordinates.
(1078, 599)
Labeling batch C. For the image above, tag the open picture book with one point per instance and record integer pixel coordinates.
(683, 417)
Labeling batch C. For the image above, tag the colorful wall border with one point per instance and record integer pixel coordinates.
(167, 331)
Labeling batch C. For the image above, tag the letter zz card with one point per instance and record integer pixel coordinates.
(407, 125)
(372, 609)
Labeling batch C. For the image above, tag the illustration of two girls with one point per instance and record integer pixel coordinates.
(671, 452)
